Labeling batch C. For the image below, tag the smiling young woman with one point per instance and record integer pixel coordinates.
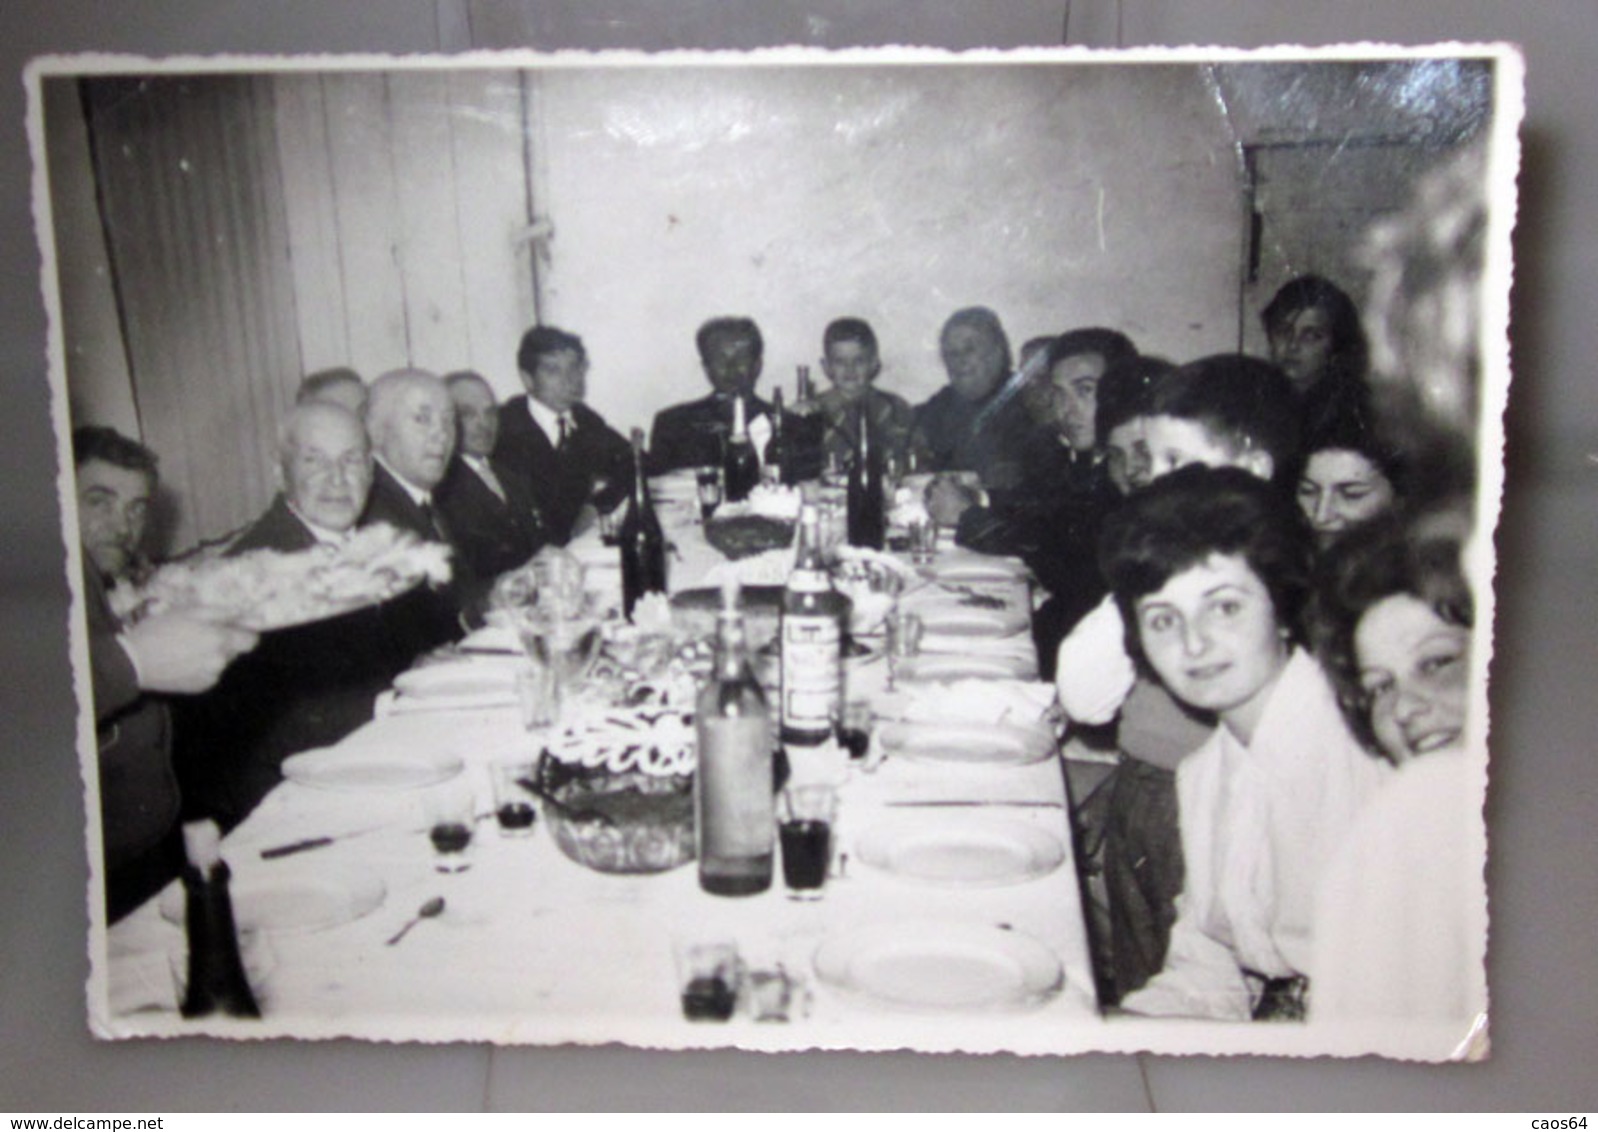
(1211, 568)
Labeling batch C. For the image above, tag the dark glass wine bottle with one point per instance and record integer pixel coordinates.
(775, 461)
(734, 815)
(741, 467)
(868, 521)
(216, 980)
(815, 617)
(643, 543)
(802, 389)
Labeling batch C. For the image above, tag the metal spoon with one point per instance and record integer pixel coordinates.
(426, 912)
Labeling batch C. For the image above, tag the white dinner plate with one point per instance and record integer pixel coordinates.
(493, 639)
(980, 744)
(370, 767)
(474, 676)
(977, 573)
(964, 666)
(950, 619)
(961, 852)
(941, 966)
(298, 897)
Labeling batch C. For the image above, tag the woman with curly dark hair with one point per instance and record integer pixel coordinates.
(1210, 568)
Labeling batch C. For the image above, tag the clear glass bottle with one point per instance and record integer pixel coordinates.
(643, 543)
(741, 467)
(814, 620)
(734, 815)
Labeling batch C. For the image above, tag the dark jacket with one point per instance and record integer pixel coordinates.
(138, 789)
(424, 618)
(593, 466)
(953, 435)
(689, 435)
(494, 534)
(304, 686)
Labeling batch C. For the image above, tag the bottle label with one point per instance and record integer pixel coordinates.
(812, 677)
(736, 817)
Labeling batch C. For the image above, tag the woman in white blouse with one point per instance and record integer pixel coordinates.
(1210, 568)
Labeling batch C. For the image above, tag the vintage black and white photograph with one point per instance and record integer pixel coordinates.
(873, 550)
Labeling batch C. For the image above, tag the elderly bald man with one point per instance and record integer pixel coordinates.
(309, 685)
(411, 419)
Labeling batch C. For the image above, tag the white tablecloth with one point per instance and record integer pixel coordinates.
(534, 948)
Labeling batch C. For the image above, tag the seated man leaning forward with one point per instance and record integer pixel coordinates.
(690, 435)
(1210, 567)
(974, 424)
(304, 686)
(573, 464)
(410, 418)
(493, 516)
(135, 669)
(851, 362)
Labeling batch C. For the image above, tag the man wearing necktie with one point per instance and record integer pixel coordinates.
(410, 418)
(493, 517)
(551, 445)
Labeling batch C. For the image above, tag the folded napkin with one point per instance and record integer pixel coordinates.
(977, 701)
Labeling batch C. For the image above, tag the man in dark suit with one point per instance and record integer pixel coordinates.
(304, 686)
(690, 435)
(134, 669)
(494, 518)
(411, 421)
(574, 464)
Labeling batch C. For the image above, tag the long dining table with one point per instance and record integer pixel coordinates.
(952, 918)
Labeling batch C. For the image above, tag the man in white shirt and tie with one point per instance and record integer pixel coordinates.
(564, 454)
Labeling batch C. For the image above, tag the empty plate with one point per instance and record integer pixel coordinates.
(951, 619)
(981, 744)
(964, 666)
(291, 898)
(961, 852)
(371, 767)
(479, 675)
(941, 966)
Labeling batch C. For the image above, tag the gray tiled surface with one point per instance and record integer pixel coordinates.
(1544, 874)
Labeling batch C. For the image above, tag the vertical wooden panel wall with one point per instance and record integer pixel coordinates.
(406, 194)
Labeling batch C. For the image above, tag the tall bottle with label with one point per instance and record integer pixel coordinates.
(811, 634)
(740, 466)
(868, 520)
(643, 543)
(734, 815)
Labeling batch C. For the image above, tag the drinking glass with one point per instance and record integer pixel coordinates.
(708, 976)
(805, 830)
(854, 728)
(923, 541)
(451, 823)
(904, 639)
(708, 483)
(513, 799)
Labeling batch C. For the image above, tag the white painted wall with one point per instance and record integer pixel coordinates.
(1059, 197)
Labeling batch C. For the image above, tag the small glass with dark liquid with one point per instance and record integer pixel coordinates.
(708, 977)
(854, 728)
(513, 802)
(805, 832)
(451, 820)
